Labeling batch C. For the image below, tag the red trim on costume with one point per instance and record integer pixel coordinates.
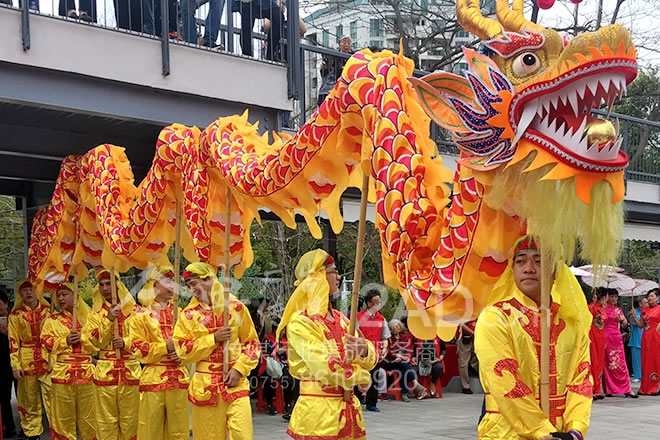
(586, 388)
(213, 400)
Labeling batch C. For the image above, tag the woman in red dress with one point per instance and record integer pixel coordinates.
(650, 344)
(597, 338)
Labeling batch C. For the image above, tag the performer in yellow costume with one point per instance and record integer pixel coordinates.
(29, 365)
(220, 404)
(116, 380)
(508, 343)
(164, 382)
(72, 394)
(323, 356)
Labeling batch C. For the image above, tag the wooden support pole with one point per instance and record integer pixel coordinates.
(225, 313)
(113, 287)
(357, 273)
(74, 320)
(547, 266)
(177, 262)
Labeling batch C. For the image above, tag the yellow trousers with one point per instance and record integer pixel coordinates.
(72, 405)
(116, 411)
(31, 392)
(213, 422)
(163, 415)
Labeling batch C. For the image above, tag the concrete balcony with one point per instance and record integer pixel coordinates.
(80, 85)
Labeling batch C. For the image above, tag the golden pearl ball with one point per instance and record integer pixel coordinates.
(600, 131)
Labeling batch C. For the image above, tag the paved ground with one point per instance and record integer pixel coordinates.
(454, 417)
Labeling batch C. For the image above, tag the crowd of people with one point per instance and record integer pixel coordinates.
(145, 16)
(624, 349)
(118, 368)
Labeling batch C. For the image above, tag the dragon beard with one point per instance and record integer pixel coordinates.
(594, 229)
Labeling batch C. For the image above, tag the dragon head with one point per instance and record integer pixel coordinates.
(527, 109)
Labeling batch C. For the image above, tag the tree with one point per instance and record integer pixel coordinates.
(427, 29)
(12, 244)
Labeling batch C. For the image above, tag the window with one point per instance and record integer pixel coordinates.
(354, 46)
(462, 34)
(376, 27)
(353, 30)
(339, 32)
(376, 43)
(326, 38)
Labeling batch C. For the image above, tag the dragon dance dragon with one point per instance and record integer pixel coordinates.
(533, 159)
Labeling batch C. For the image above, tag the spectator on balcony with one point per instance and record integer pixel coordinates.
(211, 24)
(280, 50)
(399, 355)
(331, 68)
(151, 10)
(34, 4)
(250, 11)
(128, 14)
(86, 10)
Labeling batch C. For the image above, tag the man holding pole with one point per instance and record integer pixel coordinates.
(164, 382)
(326, 358)
(508, 345)
(27, 362)
(221, 402)
(117, 373)
(72, 394)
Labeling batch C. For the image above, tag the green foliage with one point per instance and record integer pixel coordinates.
(641, 260)
(390, 307)
(12, 244)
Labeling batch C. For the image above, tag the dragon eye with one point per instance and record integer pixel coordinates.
(526, 64)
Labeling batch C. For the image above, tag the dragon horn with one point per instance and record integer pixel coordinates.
(471, 19)
(514, 19)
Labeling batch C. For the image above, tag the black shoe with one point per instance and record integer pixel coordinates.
(632, 395)
(467, 391)
(286, 416)
(272, 411)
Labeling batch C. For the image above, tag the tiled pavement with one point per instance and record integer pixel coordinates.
(454, 417)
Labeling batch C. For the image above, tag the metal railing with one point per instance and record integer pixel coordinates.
(219, 25)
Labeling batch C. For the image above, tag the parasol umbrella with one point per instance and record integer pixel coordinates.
(613, 280)
(641, 288)
(604, 269)
(579, 272)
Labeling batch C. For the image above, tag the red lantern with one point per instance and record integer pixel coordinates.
(576, 1)
(545, 4)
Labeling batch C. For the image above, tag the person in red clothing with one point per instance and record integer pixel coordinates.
(374, 328)
(650, 344)
(597, 338)
(399, 354)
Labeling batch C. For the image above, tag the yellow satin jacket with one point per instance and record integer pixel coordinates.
(507, 344)
(149, 330)
(194, 341)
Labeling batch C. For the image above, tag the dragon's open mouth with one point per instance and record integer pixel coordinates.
(556, 114)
